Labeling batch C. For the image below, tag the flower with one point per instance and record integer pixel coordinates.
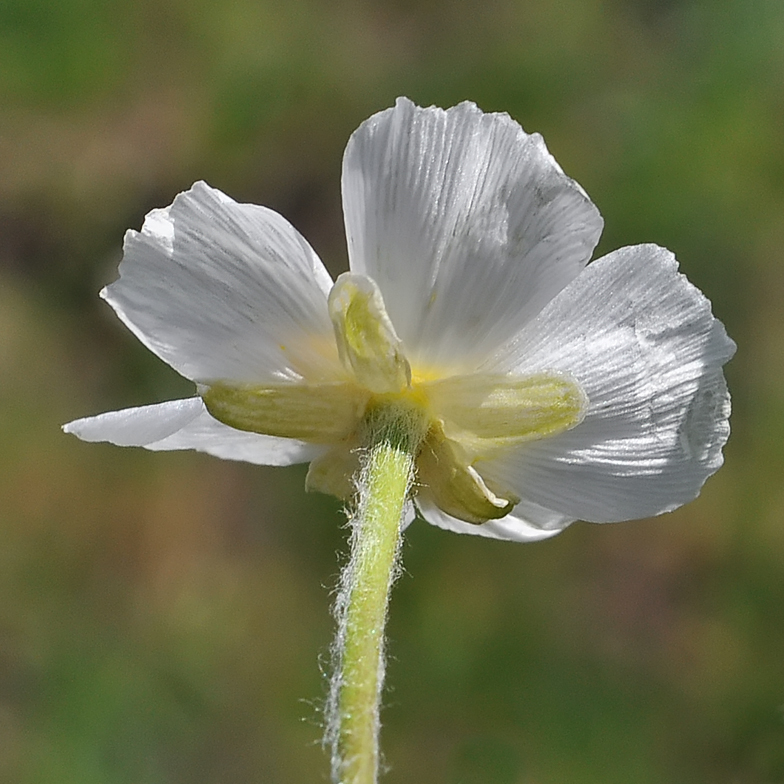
(553, 389)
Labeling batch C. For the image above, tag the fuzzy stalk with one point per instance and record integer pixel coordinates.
(393, 433)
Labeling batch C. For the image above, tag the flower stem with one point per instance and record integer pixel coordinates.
(392, 436)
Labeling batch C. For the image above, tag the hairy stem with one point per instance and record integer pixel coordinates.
(393, 433)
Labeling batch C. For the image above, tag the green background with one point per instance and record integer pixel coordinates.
(164, 617)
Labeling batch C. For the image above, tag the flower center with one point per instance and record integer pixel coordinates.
(468, 419)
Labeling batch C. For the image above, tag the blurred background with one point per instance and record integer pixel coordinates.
(164, 618)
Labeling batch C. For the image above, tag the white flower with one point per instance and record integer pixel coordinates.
(555, 391)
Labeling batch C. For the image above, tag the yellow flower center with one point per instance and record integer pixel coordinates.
(469, 418)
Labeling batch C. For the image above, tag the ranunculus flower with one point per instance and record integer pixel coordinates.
(554, 389)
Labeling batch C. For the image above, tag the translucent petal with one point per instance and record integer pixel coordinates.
(365, 337)
(185, 424)
(643, 344)
(486, 411)
(334, 472)
(221, 290)
(455, 486)
(512, 527)
(467, 224)
(318, 413)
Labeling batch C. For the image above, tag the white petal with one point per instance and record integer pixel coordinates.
(185, 424)
(511, 528)
(221, 290)
(409, 515)
(643, 344)
(467, 224)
